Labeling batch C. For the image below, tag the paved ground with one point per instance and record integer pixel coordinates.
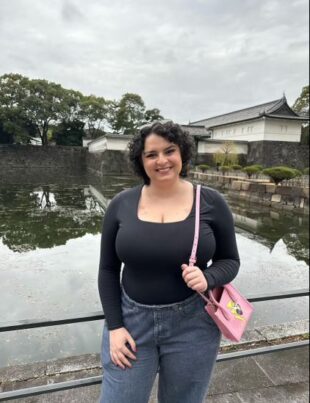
(275, 377)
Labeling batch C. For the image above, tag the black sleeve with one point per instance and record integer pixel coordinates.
(225, 262)
(110, 268)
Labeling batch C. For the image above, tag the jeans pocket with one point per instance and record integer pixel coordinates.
(193, 309)
(197, 310)
(208, 318)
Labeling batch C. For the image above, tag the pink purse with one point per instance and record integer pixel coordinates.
(226, 306)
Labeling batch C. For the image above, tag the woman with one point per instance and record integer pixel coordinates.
(155, 320)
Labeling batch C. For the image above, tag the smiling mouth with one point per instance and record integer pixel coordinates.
(163, 169)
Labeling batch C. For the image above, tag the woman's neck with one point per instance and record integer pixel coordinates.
(167, 190)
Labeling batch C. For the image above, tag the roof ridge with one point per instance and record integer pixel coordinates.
(239, 110)
(277, 104)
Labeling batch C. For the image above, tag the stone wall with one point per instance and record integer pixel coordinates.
(50, 157)
(19, 162)
(108, 163)
(273, 153)
(265, 193)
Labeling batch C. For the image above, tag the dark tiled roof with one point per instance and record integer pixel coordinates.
(197, 130)
(277, 108)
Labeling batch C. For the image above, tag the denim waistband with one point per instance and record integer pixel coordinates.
(174, 305)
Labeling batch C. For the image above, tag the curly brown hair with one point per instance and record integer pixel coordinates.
(169, 131)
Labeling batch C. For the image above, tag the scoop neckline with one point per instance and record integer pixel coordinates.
(164, 223)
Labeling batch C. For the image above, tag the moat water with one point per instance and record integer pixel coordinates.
(49, 254)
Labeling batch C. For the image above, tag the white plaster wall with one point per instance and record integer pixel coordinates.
(118, 144)
(109, 143)
(253, 130)
(86, 142)
(207, 147)
(98, 145)
(282, 130)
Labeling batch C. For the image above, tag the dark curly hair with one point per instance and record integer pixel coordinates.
(169, 131)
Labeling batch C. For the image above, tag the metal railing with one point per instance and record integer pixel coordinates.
(94, 380)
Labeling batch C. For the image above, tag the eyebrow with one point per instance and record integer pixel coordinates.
(154, 151)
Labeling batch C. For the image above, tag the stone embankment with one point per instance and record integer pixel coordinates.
(260, 191)
(20, 163)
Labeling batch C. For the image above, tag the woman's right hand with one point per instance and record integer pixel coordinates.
(119, 351)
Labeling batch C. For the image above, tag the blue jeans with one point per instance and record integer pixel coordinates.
(179, 341)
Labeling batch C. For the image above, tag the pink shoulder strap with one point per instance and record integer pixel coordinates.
(192, 259)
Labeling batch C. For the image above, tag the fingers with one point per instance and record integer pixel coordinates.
(194, 278)
(128, 353)
(191, 272)
(188, 276)
(120, 359)
(119, 352)
(132, 343)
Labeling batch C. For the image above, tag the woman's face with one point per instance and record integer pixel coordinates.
(161, 159)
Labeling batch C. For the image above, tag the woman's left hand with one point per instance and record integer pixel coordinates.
(194, 278)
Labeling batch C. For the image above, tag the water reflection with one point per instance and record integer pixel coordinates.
(268, 227)
(50, 215)
(47, 216)
(49, 254)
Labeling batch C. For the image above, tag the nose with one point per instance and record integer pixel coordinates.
(161, 158)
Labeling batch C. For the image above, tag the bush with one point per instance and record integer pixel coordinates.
(203, 167)
(297, 172)
(225, 168)
(236, 167)
(252, 169)
(69, 133)
(278, 174)
(306, 171)
(5, 137)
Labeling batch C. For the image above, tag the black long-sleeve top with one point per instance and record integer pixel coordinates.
(152, 253)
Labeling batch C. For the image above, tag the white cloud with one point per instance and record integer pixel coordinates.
(190, 58)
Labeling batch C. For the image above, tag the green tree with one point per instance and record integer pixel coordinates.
(128, 114)
(280, 173)
(301, 105)
(152, 115)
(95, 114)
(5, 136)
(203, 167)
(15, 126)
(227, 155)
(252, 169)
(69, 133)
(71, 105)
(45, 103)
(33, 105)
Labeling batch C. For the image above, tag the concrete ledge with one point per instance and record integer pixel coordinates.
(276, 377)
(22, 376)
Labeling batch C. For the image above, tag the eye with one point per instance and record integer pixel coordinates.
(150, 156)
(170, 151)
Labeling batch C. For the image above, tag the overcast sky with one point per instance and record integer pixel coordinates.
(192, 59)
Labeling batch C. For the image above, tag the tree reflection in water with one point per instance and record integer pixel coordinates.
(47, 216)
(268, 227)
(43, 217)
